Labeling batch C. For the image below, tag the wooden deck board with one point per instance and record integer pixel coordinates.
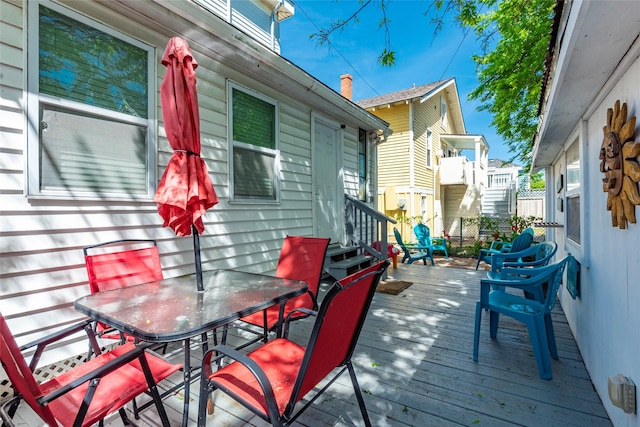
(414, 364)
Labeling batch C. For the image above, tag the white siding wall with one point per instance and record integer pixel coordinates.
(606, 318)
(251, 17)
(41, 240)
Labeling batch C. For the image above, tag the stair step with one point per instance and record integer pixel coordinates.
(341, 269)
(340, 253)
(349, 262)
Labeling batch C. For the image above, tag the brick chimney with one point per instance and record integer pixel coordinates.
(346, 86)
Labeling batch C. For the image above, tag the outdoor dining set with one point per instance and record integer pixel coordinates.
(133, 304)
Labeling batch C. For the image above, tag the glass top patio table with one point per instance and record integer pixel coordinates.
(173, 310)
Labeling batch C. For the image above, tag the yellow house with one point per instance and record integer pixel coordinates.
(422, 175)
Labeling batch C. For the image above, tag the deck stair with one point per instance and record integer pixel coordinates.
(341, 261)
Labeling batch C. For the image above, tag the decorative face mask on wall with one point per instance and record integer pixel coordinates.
(619, 165)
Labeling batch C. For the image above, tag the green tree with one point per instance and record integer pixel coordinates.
(537, 181)
(514, 35)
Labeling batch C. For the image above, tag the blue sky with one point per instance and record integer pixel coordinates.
(420, 58)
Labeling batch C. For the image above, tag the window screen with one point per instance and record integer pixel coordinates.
(254, 146)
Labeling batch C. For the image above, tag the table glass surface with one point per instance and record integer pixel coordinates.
(172, 309)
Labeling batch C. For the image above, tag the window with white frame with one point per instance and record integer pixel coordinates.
(443, 111)
(90, 108)
(429, 138)
(253, 136)
(573, 208)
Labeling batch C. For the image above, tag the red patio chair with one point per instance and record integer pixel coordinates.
(118, 264)
(272, 379)
(87, 393)
(301, 258)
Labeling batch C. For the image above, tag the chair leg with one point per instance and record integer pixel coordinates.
(476, 331)
(494, 319)
(480, 258)
(203, 401)
(538, 335)
(15, 402)
(358, 392)
(551, 336)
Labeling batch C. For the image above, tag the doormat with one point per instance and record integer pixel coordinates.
(392, 286)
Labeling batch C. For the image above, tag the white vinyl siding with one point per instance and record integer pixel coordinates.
(253, 18)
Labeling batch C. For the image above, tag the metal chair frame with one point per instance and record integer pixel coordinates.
(88, 392)
(296, 370)
(301, 258)
(134, 261)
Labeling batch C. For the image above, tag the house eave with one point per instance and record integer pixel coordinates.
(586, 56)
(465, 141)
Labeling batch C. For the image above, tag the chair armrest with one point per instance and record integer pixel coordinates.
(252, 366)
(506, 247)
(136, 353)
(538, 263)
(421, 248)
(287, 320)
(513, 259)
(417, 246)
(499, 245)
(56, 336)
(521, 278)
(41, 343)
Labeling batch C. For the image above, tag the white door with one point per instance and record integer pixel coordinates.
(328, 217)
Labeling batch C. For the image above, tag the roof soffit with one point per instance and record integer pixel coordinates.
(224, 43)
(595, 36)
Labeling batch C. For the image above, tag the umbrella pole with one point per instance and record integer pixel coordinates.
(196, 252)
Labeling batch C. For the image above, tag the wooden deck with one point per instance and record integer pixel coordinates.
(414, 365)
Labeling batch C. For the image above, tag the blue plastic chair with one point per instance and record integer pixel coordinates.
(534, 314)
(422, 252)
(520, 243)
(534, 256)
(424, 238)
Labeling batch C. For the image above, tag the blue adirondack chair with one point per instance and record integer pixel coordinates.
(521, 242)
(424, 238)
(536, 315)
(420, 252)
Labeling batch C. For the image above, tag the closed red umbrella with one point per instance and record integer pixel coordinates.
(185, 191)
